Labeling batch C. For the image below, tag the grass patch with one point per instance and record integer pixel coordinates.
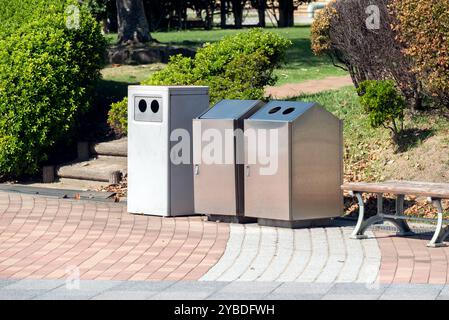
(301, 64)
(130, 74)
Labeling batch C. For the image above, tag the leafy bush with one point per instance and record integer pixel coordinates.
(423, 28)
(117, 116)
(320, 31)
(384, 105)
(237, 67)
(341, 31)
(47, 75)
(226, 61)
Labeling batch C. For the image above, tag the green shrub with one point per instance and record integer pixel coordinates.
(16, 13)
(237, 67)
(117, 116)
(384, 104)
(47, 75)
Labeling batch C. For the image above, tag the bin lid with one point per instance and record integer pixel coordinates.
(231, 109)
(282, 110)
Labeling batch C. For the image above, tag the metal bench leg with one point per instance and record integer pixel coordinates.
(362, 225)
(402, 225)
(441, 232)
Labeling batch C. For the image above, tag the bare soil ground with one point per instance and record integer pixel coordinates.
(308, 87)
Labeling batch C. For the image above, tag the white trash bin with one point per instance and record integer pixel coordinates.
(158, 116)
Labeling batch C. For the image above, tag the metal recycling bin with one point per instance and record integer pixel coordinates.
(160, 178)
(218, 181)
(303, 187)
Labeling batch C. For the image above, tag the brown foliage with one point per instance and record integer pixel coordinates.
(341, 31)
(423, 29)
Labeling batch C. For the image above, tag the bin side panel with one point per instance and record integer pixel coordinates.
(215, 178)
(267, 194)
(147, 161)
(316, 166)
(184, 108)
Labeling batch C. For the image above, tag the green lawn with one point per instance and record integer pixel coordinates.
(300, 65)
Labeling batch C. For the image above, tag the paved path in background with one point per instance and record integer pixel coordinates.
(54, 239)
(308, 87)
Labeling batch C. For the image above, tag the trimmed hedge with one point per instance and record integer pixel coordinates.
(47, 75)
(237, 67)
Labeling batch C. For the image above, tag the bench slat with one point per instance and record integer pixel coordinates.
(427, 189)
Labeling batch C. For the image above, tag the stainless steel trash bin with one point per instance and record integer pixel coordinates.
(304, 189)
(218, 180)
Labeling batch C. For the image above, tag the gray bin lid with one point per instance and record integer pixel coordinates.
(282, 110)
(230, 109)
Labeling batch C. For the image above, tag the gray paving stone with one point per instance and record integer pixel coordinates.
(189, 290)
(412, 291)
(444, 291)
(351, 297)
(13, 294)
(124, 295)
(87, 290)
(151, 286)
(238, 296)
(181, 295)
(293, 296)
(64, 294)
(97, 285)
(7, 282)
(408, 297)
(358, 289)
(250, 287)
(29, 284)
(303, 288)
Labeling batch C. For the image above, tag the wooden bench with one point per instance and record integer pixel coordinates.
(435, 192)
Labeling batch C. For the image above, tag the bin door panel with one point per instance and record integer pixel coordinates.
(147, 163)
(267, 184)
(214, 167)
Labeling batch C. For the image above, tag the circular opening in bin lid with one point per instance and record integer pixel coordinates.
(154, 106)
(142, 105)
(288, 110)
(274, 110)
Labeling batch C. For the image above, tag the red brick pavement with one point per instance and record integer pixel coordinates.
(409, 260)
(45, 238)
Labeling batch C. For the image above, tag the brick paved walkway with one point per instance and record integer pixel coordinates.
(408, 260)
(48, 238)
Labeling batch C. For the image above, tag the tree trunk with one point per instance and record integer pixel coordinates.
(237, 10)
(132, 22)
(111, 17)
(286, 13)
(223, 13)
(209, 20)
(261, 12)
